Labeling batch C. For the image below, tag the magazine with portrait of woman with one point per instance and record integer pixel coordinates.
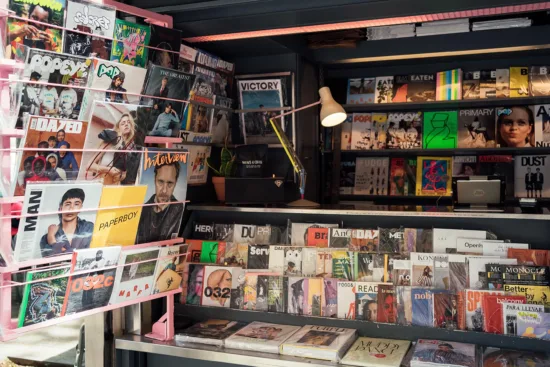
(112, 127)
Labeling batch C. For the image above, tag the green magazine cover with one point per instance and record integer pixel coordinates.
(43, 301)
(128, 52)
(440, 130)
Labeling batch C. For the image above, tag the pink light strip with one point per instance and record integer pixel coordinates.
(91, 210)
(88, 150)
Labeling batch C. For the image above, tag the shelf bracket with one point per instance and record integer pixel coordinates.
(163, 329)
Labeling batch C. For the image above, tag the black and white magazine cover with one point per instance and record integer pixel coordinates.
(168, 39)
(92, 289)
(257, 94)
(542, 125)
(57, 234)
(221, 119)
(92, 18)
(530, 174)
(293, 261)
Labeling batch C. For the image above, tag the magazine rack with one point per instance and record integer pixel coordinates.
(164, 328)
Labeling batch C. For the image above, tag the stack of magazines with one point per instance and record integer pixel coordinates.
(444, 27)
(501, 24)
(392, 31)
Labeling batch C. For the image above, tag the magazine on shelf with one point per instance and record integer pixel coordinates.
(503, 83)
(346, 130)
(402, 176)
(507, 136)
(362, 133)
(346, 300)
(440, 130)
(519, 81)
(384, 89)
(168, 274)
(529, 176)
(244, 233)
(422, 306)
(213, 332)
(298, 231)
(216, 291)
(92, 289)
(474, 307)
(258, 256)
(421, 88)
(361, 90)
(167, 39)
(371, 176)
(488, 84)
(493, 311)
(56, 234)
(197, 169)
(476, 128)
(376, 352)
(539, 83)
(433, 176)
(404, 305)
(495, 357)
(133, 50)
(404, 130)
(533, 325)
(542, 125)
(477, 263)
(88, 17)
(220, 120)
(192, 283)
(471, 85)
(366, 301)
(187, 58)
(443, 353)
(381, 125)
(341, 265)
(400, 88)
(56, 165)
(309, 262)
(165, 174)
(347, 175)
(510, 315)
(364, 240)
(261, 336)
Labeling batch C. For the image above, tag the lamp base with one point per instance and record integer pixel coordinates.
(302, 203)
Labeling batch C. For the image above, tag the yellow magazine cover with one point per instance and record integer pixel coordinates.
(535, 294)
(433, 176)
(118, 227)
(314, 296)
(519, 81)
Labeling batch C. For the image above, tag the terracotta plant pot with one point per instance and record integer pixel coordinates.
(219, 186)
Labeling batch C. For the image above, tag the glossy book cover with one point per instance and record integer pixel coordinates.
(433, 176)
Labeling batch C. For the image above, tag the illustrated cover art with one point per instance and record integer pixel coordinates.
(536, 294)
(168, 39)
(216, 291)
(474, 307)
(118, 226)
(136, 279)
(363, 135)
(519, 81)
(33, 35)
(384, 89)
(330, 298)
(275, 294)
(494, 357)
(47, 100)
(387, 305)
(309, 261)
(371, 176)
(391, 240)
(533, 325)
(117, 79)
(212, 332)
(43, 301)
(231, 256)
(339, 237)
(465, 166)
(297, 295)
(341, 265)
(192, 284)
(197, 172)
(400, 88)
(169, 271)
(345, 135)
(404, 130)
(445, 310)
(375, 352)
(404, 305)
(422, 307)
(266, 93)
(132, 51)
(433, 176)
(52, 235)
(503, 83)
(209, 252)
(499, 165)
(381, 125)
(422, 269)
(510, 315)
(361, 90)
(92, 289)
(61, 165)
(165, 174)
(421, 88)
(470, 85)
(366, 301)
(488, 84)
(92, 18)
(440, 130)
(542, 125)
(324, 263)
(298, 232)
(220, 119)
(261, 336)
(492, 309)
(448, 85)
(196, 117)
(258, 256)
(317, 237)
(458, 273)
(515, 127)
(402, 176)
(293, 261)
(539, 83)
(444, 353)
(529, 176)
(346, 300)
(476, 128)
(364, 240)
(223, 232)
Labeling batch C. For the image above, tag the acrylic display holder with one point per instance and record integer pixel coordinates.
(164, 328)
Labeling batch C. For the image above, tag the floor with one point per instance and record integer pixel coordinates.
(53, 344)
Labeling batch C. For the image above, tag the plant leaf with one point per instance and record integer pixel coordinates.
(210, 165)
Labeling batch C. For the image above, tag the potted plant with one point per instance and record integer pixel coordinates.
(227, 169)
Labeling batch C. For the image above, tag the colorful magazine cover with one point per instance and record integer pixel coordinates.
(444, 353)
(362, 132)
(52, 235)
(440, 130)
(364, 240)
(422, 307)
(515, 127)
(476, 128)
(43, 301)
(433, 176)
(366, 301)
(402, 176)
(387, 307)
(361, 90)
(216, 291)
(529, 176)
(134, 37)
(404, 130)
(92, 289)
(519, 81)
(197, 170)
(169, 271)
(168, 39)
(165, 174)
(91, 18)
(400, 88)
(57, 165)
(296, 296)
(471, 85)
(193, 284)
(533, 325)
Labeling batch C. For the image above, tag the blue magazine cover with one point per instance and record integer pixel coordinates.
(533, 325)
(422, 307)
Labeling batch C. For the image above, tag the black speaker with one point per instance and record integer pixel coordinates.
(250, 190)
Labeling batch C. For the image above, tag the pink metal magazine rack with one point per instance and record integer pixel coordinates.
(163, 329)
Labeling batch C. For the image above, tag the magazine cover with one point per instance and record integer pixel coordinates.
(542, 125)
(116, 78)
(276, 258)
(196, 118)
(444, 353)
(192, 284)
(421, 88)
(445, 312)
(488, 84)
(391, 240)
(493, 311)
(346, 300)
(515, 127)
(448, 85)
(51, 235)
(366, 301)
(319, 342)
(293, 261)
(169, 271)
(40, 36)
(465, 166)
(411, 237)
(401, 272)
(404, 130)
(341, 265)
(384, 89)
(539, 83)
(400, 88)
(501, 165)
(167, 39)
(404, 305)
(296, 295)
(529, 176)
(216, 290)
(533, 325)
(387, 306)
(43, 301)
(529, 257)
(422, 269)
(345, 135)
(261, 292)
(244, 233)
(440, 130)
(422, 307)
(61, 165)
(364, 240)
(309, 262)
(347, 175)
(113, 126)
(476, 128)
(261, 336)
(362, 266)
(339, 237)
(503, 83)
(381, 125)
(510, 315)
(362, 132)
(298, 232)
(494, 357)
(92, 289)
(380, 268)
(212, 332)
(275, 294)
(470, 85)
(371, 176)
(49, 101)
(92, 18)
(255, 94)
(235, 254)
(433, 176)
(519, 81)
(324, 263)
(220, 120)
(223, 232)
(474, 307)
(136, 278)
(132, 51)
(314, 299)
(458, 273)
(209, 252)
(375, 352)
(536, 294)
(197, 170)
(361, 90)
(330, 298)
(317, 237)
(258, 256)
